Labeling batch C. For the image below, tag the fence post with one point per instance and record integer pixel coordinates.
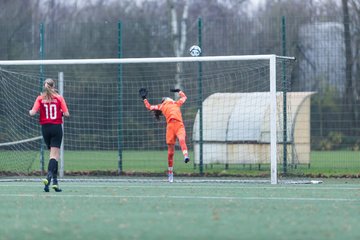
(284, 89)
(41, 81)
(61, 91)
(120, 90)
(200, 100)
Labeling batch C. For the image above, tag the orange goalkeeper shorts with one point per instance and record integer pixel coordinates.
(174, 129)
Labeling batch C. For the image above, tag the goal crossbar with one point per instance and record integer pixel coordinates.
(140, 60)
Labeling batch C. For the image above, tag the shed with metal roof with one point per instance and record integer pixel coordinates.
(236, 128)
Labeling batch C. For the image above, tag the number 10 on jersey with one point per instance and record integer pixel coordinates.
(50, 111)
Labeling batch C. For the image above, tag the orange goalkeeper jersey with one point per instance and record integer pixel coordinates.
(169, 108)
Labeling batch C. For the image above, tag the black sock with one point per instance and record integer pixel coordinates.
(51, 166)
(55, 173)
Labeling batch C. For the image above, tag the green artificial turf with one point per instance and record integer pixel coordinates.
(182, 210)
(323, 163)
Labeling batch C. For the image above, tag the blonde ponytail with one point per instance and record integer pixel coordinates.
(49, 89)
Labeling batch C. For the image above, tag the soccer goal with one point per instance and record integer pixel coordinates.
(234, 115)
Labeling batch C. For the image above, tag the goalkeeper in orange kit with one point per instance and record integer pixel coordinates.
(174, 124)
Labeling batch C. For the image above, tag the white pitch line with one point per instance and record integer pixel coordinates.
(59, 195)
(172, 186)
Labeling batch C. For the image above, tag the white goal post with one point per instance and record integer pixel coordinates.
(271, 58)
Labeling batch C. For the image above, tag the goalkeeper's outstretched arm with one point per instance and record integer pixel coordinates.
(182, 98)
(143, 92)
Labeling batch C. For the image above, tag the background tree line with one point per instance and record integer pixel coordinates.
(324, 36)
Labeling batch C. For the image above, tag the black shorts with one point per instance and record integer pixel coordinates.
(52, 134)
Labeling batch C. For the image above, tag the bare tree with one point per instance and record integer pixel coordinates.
(350, 84)
(179, 35)
(15, 39)
(355, 7)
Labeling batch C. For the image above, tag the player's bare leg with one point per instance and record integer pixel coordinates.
(171, 152)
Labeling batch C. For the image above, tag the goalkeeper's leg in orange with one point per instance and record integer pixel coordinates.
(181, 135)
(171, 152)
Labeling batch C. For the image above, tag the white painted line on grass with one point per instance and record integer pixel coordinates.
(181, 186)
(159, 180)
(60, 195)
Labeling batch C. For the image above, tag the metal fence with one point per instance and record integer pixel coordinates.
(317, 45)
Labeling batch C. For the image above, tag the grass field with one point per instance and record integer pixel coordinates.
(155, 209)
(326, 163)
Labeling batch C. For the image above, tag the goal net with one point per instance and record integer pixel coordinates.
(234, 116)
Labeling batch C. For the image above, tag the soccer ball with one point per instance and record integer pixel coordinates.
(195, 51)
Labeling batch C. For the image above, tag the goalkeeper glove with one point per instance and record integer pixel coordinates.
(143, 92)
(175, 90)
